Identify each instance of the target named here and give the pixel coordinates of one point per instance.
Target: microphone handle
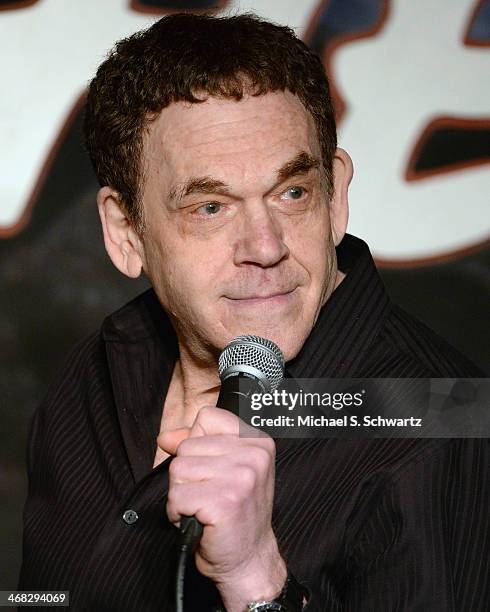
(235, 392)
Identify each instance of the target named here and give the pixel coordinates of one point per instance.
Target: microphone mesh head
(256, 352)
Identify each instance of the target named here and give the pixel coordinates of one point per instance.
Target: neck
(194, 384)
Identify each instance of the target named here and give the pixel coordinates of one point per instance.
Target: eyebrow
(300, 164)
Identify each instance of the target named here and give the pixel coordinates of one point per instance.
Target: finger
(211, 420)
(206, 446)
(209, 501)
(196, 469)
(220, 456)
(192, 499)
(169, 441)
(224, 444)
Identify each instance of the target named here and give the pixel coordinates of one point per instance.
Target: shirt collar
(348, 322)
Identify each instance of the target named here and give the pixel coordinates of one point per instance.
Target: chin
(286, 321)
(288, 330)
(290, 346)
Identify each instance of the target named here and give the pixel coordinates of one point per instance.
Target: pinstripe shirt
(382, 524)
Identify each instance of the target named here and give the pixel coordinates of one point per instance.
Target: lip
(271, 298)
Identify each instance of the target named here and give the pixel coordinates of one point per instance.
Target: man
(214, 142)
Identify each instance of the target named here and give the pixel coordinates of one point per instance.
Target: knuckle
(174, 468)
(247, 478)
(183, 448)
(232, 498)
(261, 458)
(205, 413)
(270, 446)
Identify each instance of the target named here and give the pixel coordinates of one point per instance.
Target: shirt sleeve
(425, 546)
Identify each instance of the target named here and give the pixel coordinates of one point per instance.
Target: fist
(226, 480)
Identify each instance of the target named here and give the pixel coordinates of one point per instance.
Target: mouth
(277, 298)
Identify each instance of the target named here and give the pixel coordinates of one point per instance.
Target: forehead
(248, 137)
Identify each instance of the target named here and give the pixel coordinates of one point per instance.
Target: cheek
(184, 281)
(312, 249)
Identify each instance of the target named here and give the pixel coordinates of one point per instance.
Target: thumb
(169, 440)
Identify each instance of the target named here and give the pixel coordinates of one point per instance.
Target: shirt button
(130, 517)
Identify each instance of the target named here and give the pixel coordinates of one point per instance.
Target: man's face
(238, 236)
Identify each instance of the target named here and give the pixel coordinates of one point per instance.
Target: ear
(339, 204)
(121, 241)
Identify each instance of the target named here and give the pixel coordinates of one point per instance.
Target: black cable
(179, 585)
(190, 534)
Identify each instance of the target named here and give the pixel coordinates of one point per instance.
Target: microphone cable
(190, 534)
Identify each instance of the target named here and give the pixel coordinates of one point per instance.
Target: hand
(227, 482)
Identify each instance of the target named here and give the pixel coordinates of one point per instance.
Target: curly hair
(179, 58)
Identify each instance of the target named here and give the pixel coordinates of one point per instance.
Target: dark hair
(180, 57)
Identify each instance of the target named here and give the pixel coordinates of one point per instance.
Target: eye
(296, 192)
(209, 209)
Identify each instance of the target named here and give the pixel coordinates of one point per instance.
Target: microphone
(248, 364)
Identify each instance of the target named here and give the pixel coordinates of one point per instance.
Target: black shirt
(377, 525)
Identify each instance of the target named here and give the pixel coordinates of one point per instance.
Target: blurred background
(412, 95)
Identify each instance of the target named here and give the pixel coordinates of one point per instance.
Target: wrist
(262, 580)
(293, 598)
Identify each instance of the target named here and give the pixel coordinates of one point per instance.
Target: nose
(259, 237)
